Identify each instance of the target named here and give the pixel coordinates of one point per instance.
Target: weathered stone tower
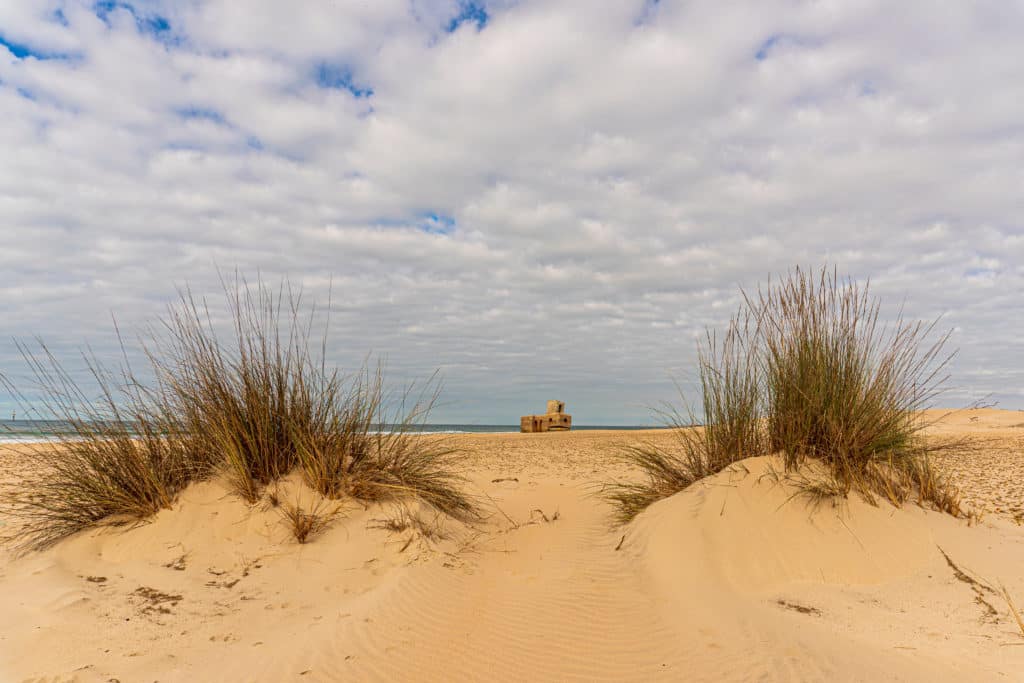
(555, 420)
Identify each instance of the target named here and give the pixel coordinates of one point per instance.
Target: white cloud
(553, 204)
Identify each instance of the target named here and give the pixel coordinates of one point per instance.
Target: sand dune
(786, 591)
(732, 579)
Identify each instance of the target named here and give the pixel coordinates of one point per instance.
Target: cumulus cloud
(539, 198)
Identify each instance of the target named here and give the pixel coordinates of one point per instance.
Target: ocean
(36, 431)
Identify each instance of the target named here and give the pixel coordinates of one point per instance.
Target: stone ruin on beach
(555, 420)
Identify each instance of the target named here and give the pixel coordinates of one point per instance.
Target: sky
(538, 199)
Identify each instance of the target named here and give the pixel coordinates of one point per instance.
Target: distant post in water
(555, 420)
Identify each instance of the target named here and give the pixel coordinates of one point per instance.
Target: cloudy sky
(541, 199)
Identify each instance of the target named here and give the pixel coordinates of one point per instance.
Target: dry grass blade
(305, 525)
(405, 519)
(1013, 608)
(815, 490)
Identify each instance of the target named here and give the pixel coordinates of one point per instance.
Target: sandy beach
(731, 579)
(312, 311)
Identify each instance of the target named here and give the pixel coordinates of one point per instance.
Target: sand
(732, 579)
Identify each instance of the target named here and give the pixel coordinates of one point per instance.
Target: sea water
(35, 431)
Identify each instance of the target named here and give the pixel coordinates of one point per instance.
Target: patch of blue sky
(19, 50)
(104, 8)
(25, 51)
(154, 25)
(647, 12)
(437, 223)
(766, 47)
(201, 113)
(980, 273)
(339, 77)
(250, 142)
(868, 89)
(778, 40)
(469, 11)
(181, 146)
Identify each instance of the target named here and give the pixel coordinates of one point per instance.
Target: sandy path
(549, 596)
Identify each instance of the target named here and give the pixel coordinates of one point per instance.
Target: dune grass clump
(255, 403)
(367, 451)
(249, 394)
(404, 519)
(731, 427)
(806, 370)
(119, 458)
(265, 399)
(846, 391)
(306, 524)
